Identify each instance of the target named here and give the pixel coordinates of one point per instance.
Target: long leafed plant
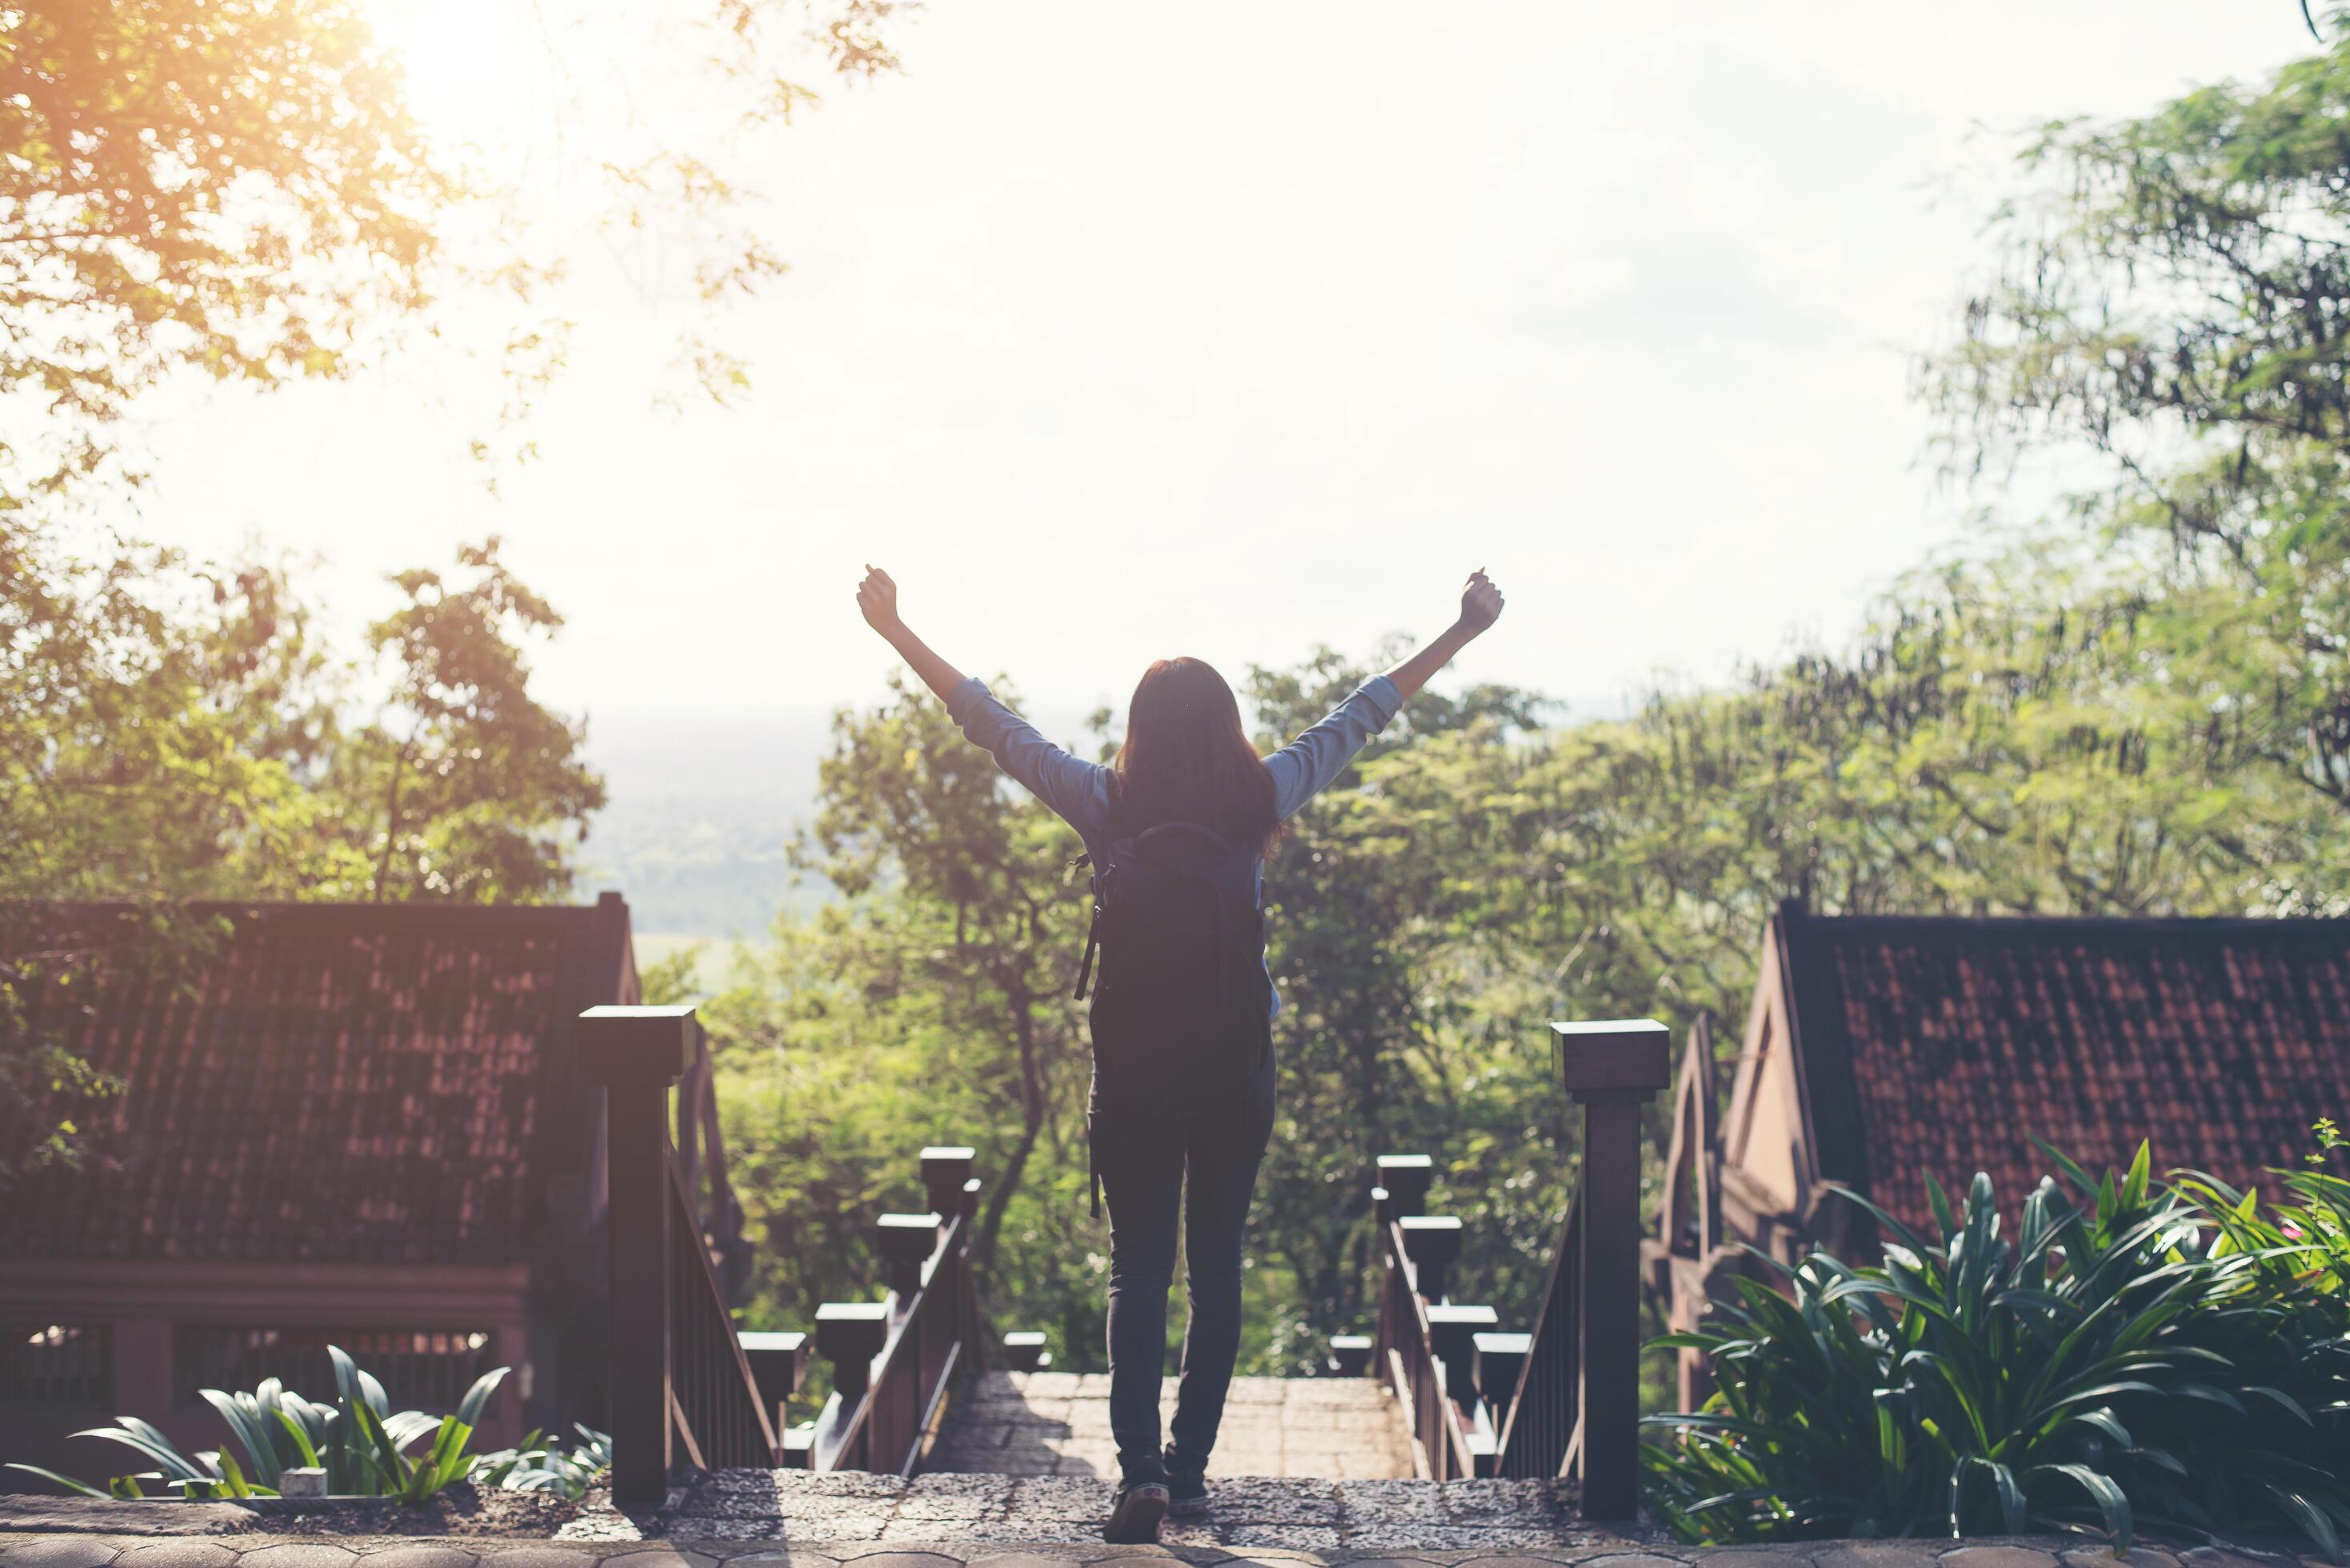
(359, 1441)
(2124, 1360)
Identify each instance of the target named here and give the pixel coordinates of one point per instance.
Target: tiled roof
(332, 1084)
(1944, 1046)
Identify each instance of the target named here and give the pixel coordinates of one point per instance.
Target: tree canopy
(171, 732)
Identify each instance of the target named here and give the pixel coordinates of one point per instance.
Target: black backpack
(1181, 1010)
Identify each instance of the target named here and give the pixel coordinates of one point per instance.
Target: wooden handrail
(1564, 1399)
(1442, 1425)
(897, 1361)
(716, 1399)
(1539, 1427)
(680, 1385)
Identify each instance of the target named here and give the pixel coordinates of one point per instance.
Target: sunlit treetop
(241, 188)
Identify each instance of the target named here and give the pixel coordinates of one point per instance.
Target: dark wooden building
(1880, 1049)
(351, 1123)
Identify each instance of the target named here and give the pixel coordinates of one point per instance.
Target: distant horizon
(702, 804)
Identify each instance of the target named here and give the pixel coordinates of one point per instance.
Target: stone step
(1246, 1513)
(1057, 1424)
(160, 1550)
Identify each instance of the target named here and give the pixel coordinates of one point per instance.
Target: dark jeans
(1146, 1161)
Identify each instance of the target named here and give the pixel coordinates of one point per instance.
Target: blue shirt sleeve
(1303, 768)
(1078, 792)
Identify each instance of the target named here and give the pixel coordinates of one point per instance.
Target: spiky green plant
(538, 1465)
(2093, 1373)
(359, 1441)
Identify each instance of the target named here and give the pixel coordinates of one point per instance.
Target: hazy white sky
(1194, 326)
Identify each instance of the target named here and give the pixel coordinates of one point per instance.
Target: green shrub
(537, 1465)
(2137, 1355)
(359, 1441)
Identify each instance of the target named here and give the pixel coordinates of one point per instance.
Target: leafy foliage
(538, 1465)
(359, 1441)
(2133, 1356)
(171, 731)
(237, 189)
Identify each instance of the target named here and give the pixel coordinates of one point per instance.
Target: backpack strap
(1086, 966)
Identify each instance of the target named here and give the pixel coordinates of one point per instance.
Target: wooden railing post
(779, 1361)
(1501, 1361)
(1612, 1070)
(1433, 1242)
(945, 1169)
(1452, 1331)
(906, 1242)
(635, 1054)
(1404, 1181)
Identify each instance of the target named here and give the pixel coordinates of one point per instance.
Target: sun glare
(483, 72)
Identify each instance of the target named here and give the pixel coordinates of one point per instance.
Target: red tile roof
(1943, 1045)
(334, 1084)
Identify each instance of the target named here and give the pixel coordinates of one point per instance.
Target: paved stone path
(1057, 1424)
(96, 1551)
(1279, 1513)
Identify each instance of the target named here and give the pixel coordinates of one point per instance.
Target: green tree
(481, 791)
(237, 189)
(166, 164)
(929, 1004)
(2171, 302)
(171, 732)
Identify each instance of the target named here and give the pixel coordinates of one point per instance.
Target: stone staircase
(1057, 1424)
(1319, 1465)
(844, 1510)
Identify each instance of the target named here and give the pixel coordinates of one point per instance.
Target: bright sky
(1225, 329)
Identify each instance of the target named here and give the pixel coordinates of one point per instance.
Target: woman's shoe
(1135, 1511)
(1187, 1489)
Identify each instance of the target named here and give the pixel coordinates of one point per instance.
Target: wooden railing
(1538, 1429)
(682, 1385)
(896, 1362)
(1563, 1400)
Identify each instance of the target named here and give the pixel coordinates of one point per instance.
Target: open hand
(876, 600)
(1481, 602)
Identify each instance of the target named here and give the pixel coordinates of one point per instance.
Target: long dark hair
(1187, 758)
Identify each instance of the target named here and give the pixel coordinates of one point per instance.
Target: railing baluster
(678, 1370)
(1611, 1069)
(635, 1054)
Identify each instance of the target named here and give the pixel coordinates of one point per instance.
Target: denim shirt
(1078, 791)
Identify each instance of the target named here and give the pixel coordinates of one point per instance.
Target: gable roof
(332, 1083)
(1945, 1045)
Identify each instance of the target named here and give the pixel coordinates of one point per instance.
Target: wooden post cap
(850, 1334)
(1430, 1238)
(1452, 1335)
(1350, 1353)
(901, 1237)
(1501, 1361)
(1407, 1178)
(905, 1243)
(635, 1044)
(1432, 1241)
(1625, 1057)
(778, 1363)
(944, 1170)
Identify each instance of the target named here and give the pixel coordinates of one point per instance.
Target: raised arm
(1077, 789)
(1303, 768)
(1480, 606)
(877, 599)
